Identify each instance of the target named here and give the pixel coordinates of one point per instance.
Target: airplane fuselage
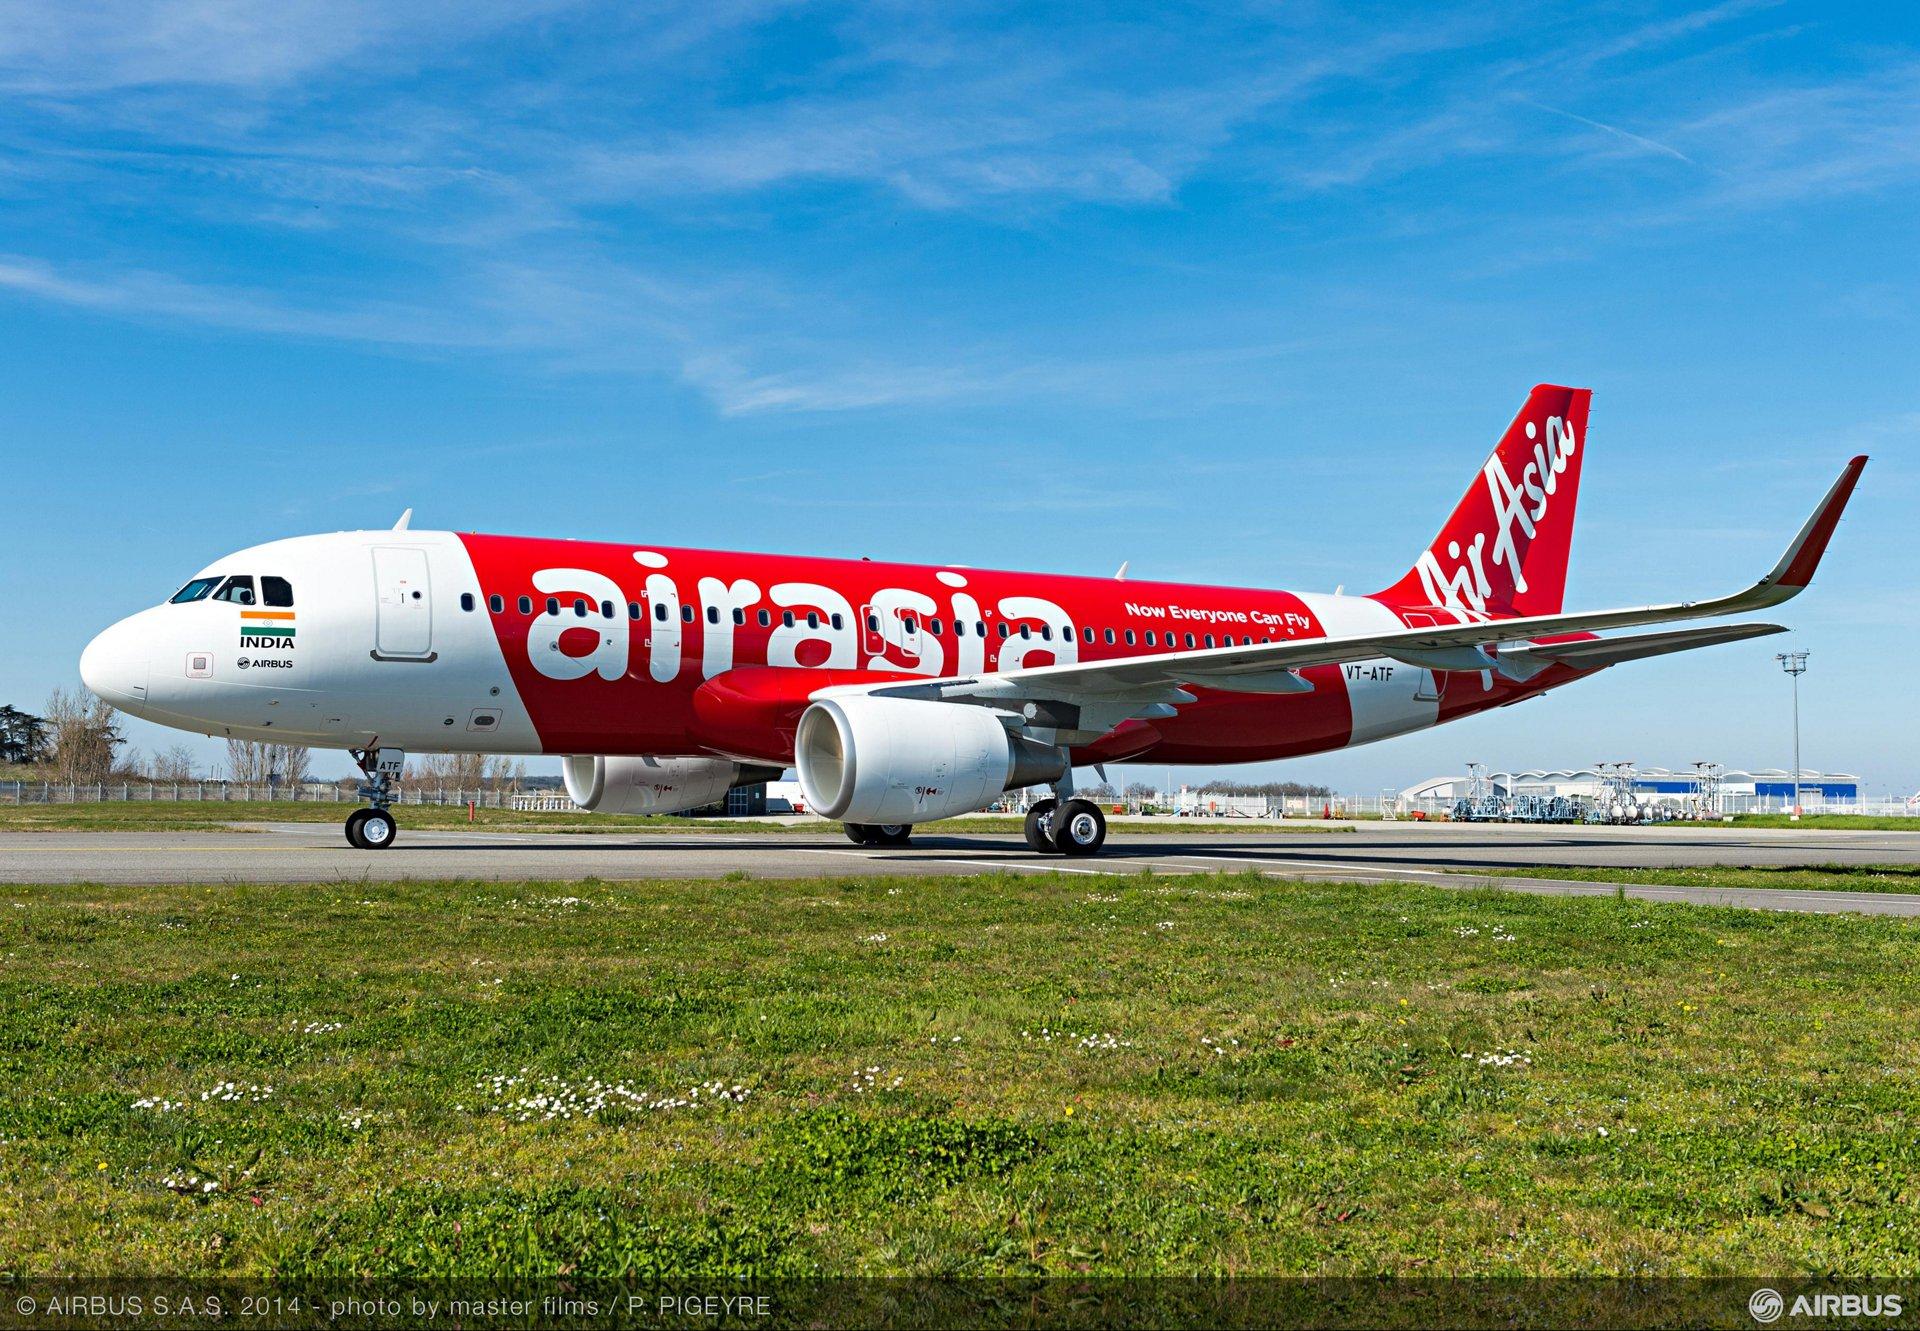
(446, 642)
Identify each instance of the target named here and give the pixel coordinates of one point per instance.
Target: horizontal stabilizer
(1594, 653)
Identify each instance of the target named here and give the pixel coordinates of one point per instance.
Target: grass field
(978, 1075)
(1809, 877)
(1819, 822)
(218, 815)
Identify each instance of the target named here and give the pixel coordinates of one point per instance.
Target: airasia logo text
(1464, 581)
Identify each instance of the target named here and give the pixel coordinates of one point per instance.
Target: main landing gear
(879, 834)
(374, 828)
(1075, 828)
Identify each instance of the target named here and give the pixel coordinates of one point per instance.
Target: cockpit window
(197, 590)
(276, 592)
(238, 589)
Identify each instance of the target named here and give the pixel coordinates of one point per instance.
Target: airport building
(1704, 788)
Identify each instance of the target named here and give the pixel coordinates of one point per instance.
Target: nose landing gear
(374, 828)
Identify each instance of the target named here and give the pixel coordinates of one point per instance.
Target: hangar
(1705, 787)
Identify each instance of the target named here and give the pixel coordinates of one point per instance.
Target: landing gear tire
(376, 829)
(1079, 828)
(857, 833)
(1039, 827)
(889, 834)
(354, 819)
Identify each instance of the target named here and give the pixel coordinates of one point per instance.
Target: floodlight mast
(1795, 664)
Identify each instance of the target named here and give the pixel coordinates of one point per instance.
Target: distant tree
(81, 730)
(449, 773)
(174, 764)
(250, 763)
(1140, 790)
(23, 736)
(1103, 791)
(1294, 788)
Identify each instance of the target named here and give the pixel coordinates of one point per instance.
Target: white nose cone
(114, 667)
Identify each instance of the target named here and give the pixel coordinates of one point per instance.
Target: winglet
(405, 518)
(1121, 575)
(1796, 566)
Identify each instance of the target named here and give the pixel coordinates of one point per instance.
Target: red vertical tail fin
(1504, 550)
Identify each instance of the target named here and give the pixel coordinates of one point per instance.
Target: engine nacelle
(902, 760)
(653, 785)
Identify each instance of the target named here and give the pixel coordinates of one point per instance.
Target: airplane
(664, 677)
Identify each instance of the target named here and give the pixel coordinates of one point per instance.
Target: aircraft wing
(1593, 653)
(1146, 686)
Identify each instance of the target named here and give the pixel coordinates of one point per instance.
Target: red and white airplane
(901, 692)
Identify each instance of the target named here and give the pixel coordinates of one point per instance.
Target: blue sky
(1237, 293)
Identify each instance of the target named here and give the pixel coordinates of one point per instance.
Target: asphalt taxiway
(1446, 854)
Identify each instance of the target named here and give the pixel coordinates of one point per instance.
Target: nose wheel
(371, 829)
(374, 828)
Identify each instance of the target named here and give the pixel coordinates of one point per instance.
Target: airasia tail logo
(1519, 506)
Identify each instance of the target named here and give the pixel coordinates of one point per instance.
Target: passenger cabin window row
(277, 592)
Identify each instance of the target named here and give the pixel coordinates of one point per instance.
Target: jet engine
(654, 785)
(901, 760)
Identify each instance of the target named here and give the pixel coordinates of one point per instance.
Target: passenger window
(606, 610)
(497, 603)
(766, 618)
(979, 628)
(466, 602)
(526, 605)
(713, 614)
(553, 605)
(1026, 630)
(1002, 628)
(633, 610)
(1189, 640)
(237, 589)
(836, 619)
(813, 619)
(1046, 633)
(198, 589)
(1149, 638)
(580, 607)
(933, 627)
(1209, 640)
(739, 615)
(277, 592)
(786, 618)
(1129, 637)
(686, 614)
(660, 611)
(1108, 635)
(873, 623)
(1086, 635)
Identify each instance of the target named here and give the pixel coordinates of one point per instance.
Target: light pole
(1795, 664)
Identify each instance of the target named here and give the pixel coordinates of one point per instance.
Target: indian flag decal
(266, 623)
